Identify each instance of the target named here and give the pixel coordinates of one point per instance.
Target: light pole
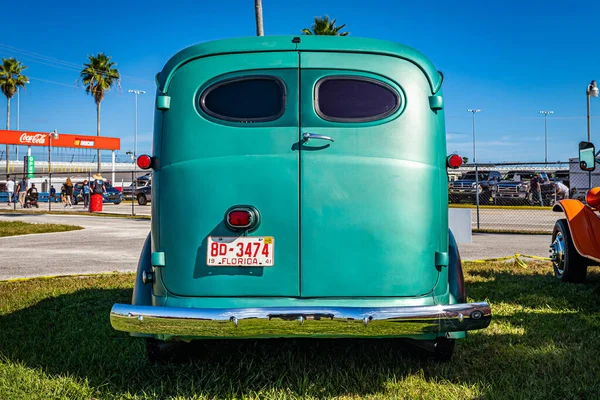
(592, 90)
(474, 111)
(136, 93)
(51, 135)
(546, 132)
(18, 119)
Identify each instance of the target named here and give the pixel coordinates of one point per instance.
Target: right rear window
(247, 99)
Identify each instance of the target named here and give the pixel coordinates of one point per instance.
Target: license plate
(240, 251)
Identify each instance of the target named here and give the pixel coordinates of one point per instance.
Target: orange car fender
(584, 225)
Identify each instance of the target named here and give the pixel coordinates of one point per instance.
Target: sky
(510, 59)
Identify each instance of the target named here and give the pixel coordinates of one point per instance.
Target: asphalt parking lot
(113, 244)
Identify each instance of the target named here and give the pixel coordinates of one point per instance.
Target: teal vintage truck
(302, 154)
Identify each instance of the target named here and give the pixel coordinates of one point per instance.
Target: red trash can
(96, 202)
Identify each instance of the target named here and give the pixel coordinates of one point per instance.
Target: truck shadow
(71, 335)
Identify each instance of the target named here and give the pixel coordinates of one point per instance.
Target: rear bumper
(300, 321)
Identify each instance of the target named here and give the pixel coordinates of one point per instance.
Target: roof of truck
(307, 43)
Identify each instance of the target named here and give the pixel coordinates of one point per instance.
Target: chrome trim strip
(300, 321)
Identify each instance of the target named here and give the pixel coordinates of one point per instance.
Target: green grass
(543, 343)
(13, 228)
(88, 214)
(513, 231)
(495, 207)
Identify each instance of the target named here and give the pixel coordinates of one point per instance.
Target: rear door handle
(306, 136)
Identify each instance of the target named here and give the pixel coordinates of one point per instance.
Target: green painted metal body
(359, 222)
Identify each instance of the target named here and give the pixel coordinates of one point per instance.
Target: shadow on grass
(525, 353)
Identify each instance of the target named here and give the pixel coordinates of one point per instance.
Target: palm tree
(98, 76)
(260, 31)
(10, 80)
(323, 26)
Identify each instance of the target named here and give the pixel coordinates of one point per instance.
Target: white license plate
(240, 251)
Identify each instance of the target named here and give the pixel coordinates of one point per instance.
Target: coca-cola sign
(33, 138)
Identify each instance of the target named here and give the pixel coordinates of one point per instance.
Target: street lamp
(546, 132)
(136, 93)
(474, 111)
(18, 119)
(592, 90)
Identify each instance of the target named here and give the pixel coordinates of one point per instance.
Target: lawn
(12, 228)
(543, 343)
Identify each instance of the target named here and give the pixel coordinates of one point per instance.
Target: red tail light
(244, 218)
(454, 161)
(239, 219)
(144, 161)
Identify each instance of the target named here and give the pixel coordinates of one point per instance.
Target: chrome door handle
(306, 136)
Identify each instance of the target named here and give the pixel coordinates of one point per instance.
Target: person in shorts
(85, 193)
(10, 189)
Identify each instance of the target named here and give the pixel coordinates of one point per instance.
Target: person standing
(10, 189)
(536, 189)
(22, 191)
(68, 193)
(98, 187)
(85, 190)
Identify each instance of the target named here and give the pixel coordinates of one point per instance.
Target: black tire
(568, 264)
(161, 352)
(117, 203)
(444, 349)
(485, 198)
(142, 200)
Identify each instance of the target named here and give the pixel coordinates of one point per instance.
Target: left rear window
(247, 99)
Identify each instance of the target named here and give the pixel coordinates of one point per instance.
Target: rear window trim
(218, 84)
(378, 82)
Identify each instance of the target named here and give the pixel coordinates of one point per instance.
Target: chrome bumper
(300, 321)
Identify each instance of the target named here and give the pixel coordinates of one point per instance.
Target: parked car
(112, 194)
(514, 187)
(143, 194)
(466, 187)
(141, 181)
(302, 224)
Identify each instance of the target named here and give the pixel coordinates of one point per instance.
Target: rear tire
(142, 200)
(444, 349)
(568, 264)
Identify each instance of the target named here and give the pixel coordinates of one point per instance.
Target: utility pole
(546, 132)
(136, 93)
(474, 111)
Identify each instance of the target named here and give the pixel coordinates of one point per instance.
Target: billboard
(27, 138)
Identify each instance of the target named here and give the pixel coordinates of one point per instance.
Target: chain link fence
(502, 197)
(46, 192)
(509, 197)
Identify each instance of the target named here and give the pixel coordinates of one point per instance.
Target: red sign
(64, 140)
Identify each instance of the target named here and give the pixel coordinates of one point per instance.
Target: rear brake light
(454, 161)
(242, 218)
(239, 219)
(144, 161)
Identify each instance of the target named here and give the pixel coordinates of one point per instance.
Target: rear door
(228, 139)
(370, 224)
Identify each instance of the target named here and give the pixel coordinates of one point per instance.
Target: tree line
(99, 73)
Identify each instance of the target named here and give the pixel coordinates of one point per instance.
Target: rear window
(354, 99)
(248, 99)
